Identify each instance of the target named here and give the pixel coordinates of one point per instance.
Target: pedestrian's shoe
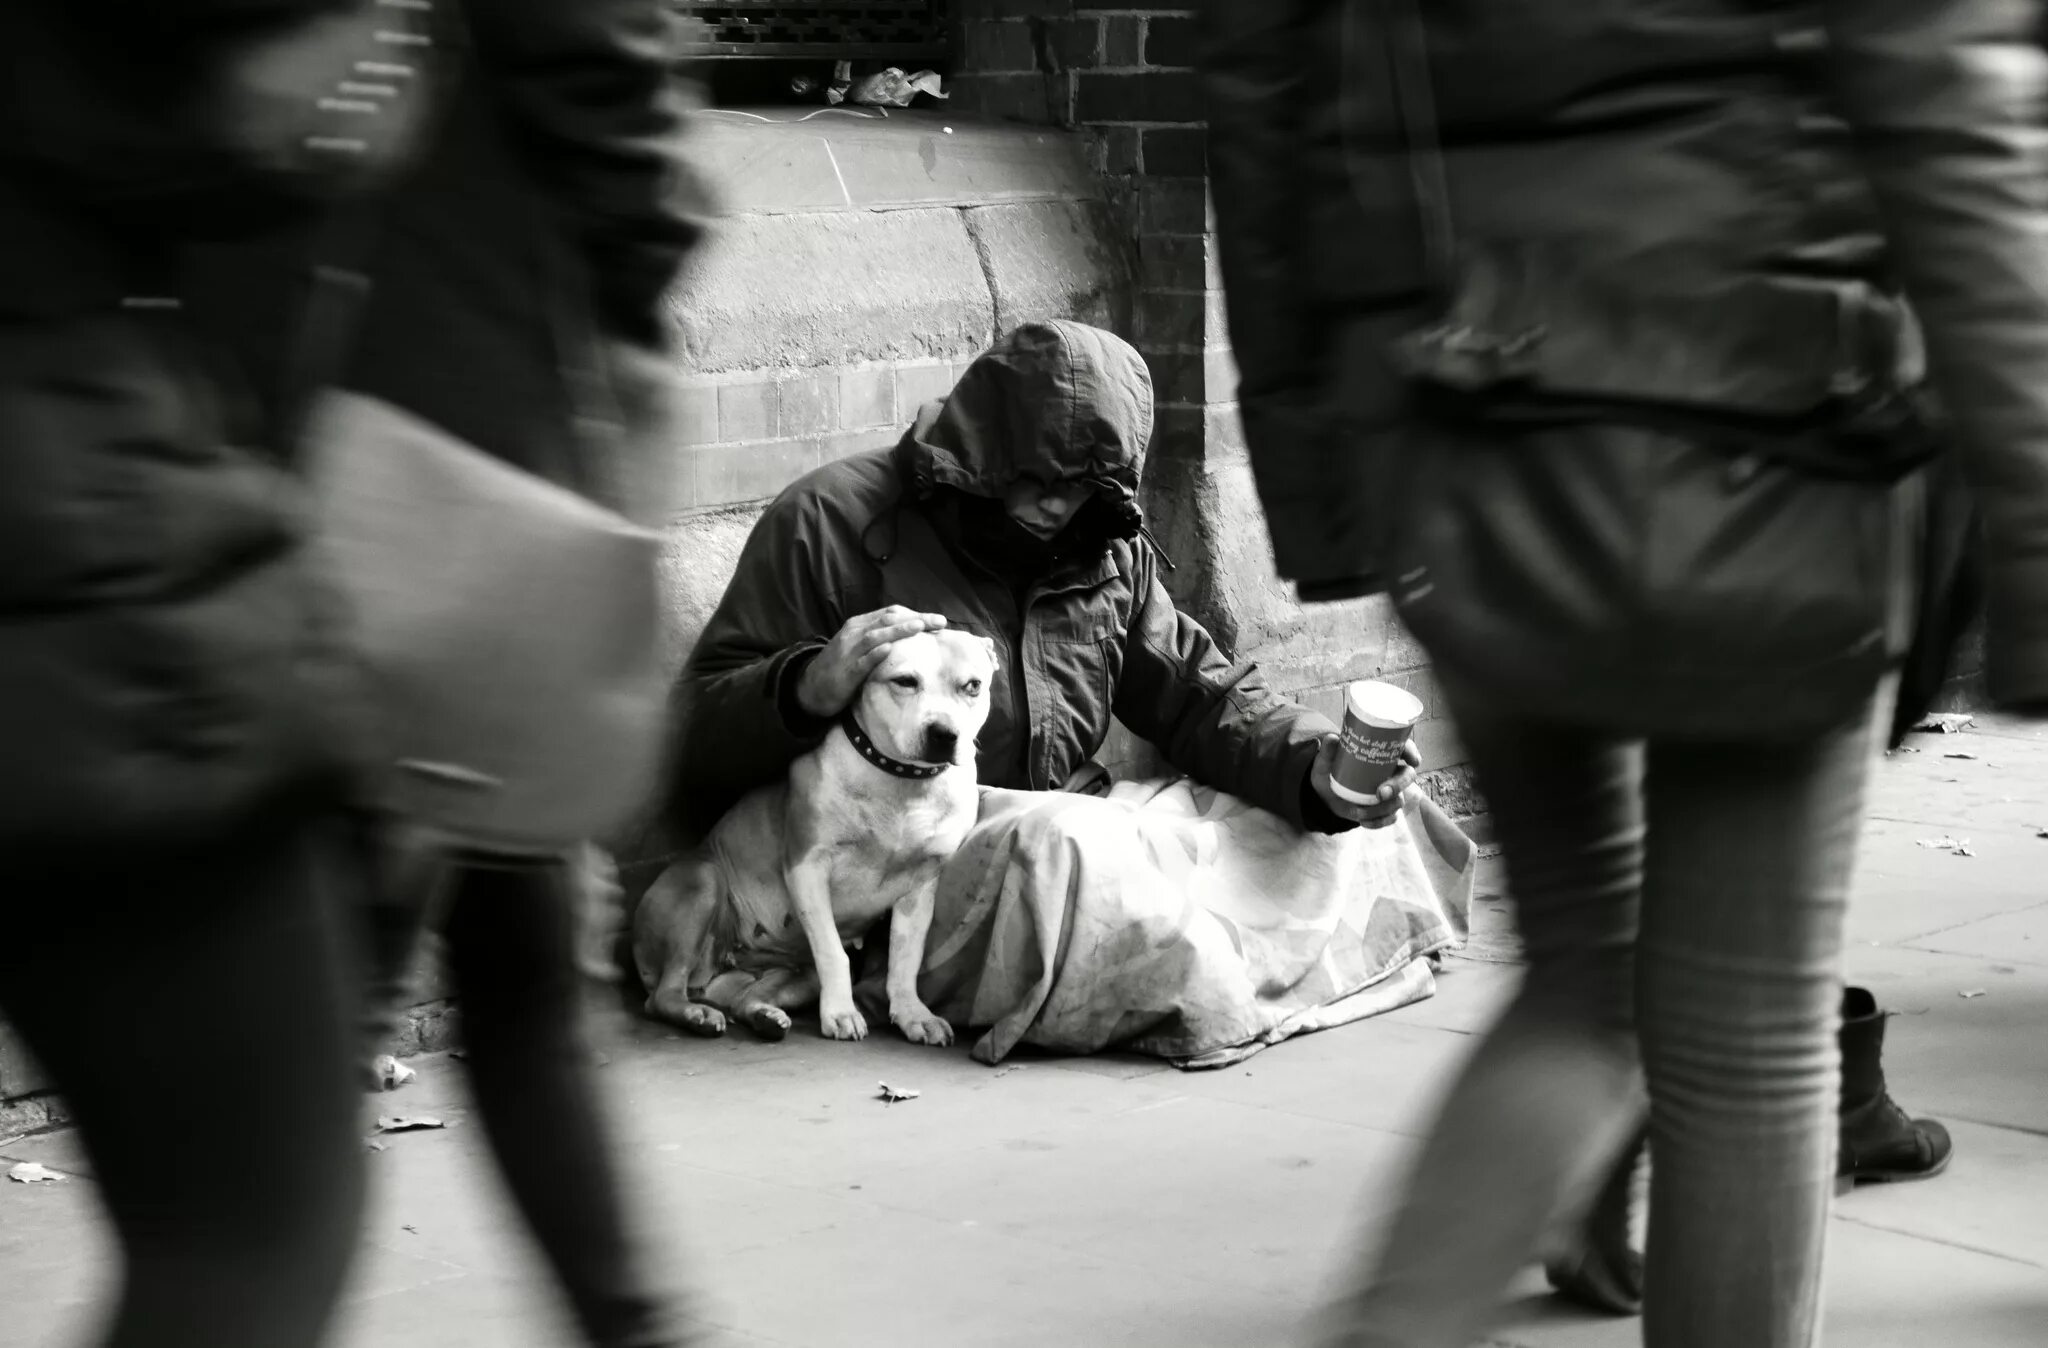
(1880, 1142)
(1605, 1273)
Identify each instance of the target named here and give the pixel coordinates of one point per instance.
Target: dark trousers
(193, 1013)
(510, 939)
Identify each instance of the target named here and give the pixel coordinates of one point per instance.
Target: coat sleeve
(1946, 101)
(1214, 720)
(592, 90)
(739, 725)
(1317, 480)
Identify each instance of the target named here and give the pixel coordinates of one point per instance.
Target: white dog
(755, 923)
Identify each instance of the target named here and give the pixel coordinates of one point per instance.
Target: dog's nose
(941, 742)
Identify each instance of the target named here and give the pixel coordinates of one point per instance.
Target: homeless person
(1009, 509)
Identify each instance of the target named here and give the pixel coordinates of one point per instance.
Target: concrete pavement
(1113, 1201)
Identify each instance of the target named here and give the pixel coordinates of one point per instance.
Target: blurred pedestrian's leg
(511, 947)
(1547, 1098)
(1752, 849)
(191, 1010)
(1735, 987)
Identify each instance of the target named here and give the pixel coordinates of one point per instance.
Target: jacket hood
(1054, 400)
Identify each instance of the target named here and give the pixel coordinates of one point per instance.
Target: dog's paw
(846, 1024)
(770, 1022)
(922, 1027)
(698, 1018)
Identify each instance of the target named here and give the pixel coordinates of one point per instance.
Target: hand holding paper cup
(1378, 720)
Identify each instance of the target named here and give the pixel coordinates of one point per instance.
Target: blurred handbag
(1617, 510)
(507, 631)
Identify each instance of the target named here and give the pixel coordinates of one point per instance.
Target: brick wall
(1128, 76)
(747, 435)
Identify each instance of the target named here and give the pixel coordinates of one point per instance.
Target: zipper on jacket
(1026, 721)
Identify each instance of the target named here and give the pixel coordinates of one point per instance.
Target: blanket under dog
(1175, 920)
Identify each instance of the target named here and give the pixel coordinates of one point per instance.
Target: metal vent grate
(892, 30)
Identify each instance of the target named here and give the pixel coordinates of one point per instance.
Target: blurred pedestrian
(164, 689)
(516, 298)
(1578, 330)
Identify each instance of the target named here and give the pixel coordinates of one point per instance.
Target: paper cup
(1378, 719)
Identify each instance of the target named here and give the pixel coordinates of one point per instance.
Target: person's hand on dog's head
(833, 678)
(1385, 807)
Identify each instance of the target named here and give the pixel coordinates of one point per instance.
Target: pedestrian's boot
(1880, 1142)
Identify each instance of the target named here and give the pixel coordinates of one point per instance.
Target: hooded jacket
(1096, 637)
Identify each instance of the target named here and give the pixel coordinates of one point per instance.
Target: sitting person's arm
(1223, 726)
(778, 661)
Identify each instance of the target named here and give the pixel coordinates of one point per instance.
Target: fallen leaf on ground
(892, 1094)
(1945, 723)
(34, 1172)
(402, 1123)
(1971, 992)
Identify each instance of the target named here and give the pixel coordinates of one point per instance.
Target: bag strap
(340, 285)
(343, 248)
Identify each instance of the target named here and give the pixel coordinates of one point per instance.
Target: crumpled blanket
(1172, 919)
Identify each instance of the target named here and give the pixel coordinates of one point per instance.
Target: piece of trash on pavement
(407, 1123)
(1969, 756)
(34, 1172)
(891, 1094)
(1946, 723)
(391, 1073)
(1968, 993)
(1945, 843)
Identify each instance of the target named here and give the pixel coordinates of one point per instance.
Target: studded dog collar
(895, 767)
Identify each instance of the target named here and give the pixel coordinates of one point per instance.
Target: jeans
(1681, 904)
(510, 939)
(192, 1009)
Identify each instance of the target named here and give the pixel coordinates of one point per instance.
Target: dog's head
(928, 698)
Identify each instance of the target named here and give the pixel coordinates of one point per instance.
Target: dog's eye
(971, 688)
(907, 682)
